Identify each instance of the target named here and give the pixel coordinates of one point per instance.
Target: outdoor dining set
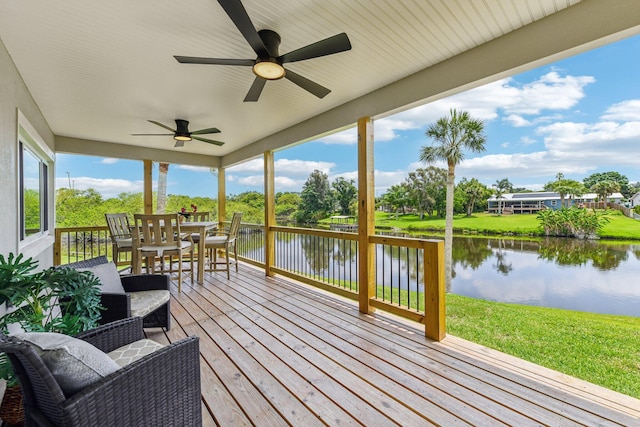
(155, 238)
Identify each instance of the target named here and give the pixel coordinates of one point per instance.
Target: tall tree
(623, 182)
(501, 187)
(161, 203)
(397, 197)
(604, 189)
(505, 184)
(565, 187)
(345, 192)
(471, 193)
(426, 188)
(316, 201)
(451, 135)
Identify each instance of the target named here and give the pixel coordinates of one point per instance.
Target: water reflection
(565, 273)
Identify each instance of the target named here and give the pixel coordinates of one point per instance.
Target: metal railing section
(79, 243)
(318, 257)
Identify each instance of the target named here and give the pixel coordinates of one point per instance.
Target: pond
(564, 273)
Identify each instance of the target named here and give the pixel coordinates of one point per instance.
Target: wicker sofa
(160, 388)
(137, 300)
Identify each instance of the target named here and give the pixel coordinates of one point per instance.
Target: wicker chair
(161, 388)
(118, 306)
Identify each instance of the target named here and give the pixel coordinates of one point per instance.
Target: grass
(601, 349)
(618, 227)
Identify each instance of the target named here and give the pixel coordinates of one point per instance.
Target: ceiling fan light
(269, 70)
(182, 137)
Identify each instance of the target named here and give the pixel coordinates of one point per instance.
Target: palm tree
(163, 169)
(452, 135)
(499, 192)
(604, 189)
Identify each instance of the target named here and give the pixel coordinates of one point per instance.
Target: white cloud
(251, 181)
(107, 187)
(527, 140)
(552, 91)
(345, 137)
(255, 165)
(516, 120)
(283, 166)
(623, 111)
(109, 161)
(194, 168)
(284, 183)
(301, 168)
(290, 174)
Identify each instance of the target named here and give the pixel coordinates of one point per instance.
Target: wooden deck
(275, 352)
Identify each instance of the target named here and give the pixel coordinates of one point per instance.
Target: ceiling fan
(268, 64)
(181, 133)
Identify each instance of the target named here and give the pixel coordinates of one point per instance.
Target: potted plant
(58, 299)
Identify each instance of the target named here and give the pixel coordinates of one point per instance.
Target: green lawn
(601, 349)
(619, 226)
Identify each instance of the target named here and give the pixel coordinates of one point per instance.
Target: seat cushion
(134, 351)
(124, 242)
(215, 240)
(74, 363)
(108, 276)
(144, 302)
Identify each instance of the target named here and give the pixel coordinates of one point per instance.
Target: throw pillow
(108, 276)
(74, 363)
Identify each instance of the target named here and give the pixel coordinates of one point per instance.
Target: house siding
(14, 97)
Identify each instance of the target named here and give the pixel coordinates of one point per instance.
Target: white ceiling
(100, 69)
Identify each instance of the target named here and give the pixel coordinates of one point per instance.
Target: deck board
(276, 352)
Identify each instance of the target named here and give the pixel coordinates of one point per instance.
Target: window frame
(29, 140)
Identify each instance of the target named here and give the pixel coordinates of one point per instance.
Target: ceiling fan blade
(255, 90)
(179, 144)
(152, 134)
(214, 61)
(236, 11)
(210, 141)
(308, 85)
(161, 125)
(338, 43)
(203, 131)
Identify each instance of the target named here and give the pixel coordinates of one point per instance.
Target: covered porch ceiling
(99, 70)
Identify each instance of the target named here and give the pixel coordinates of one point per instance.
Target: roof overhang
(98, 72)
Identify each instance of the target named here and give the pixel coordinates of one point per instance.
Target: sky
(577, 116)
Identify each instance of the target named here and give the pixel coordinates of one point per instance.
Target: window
(553, 202)
(34, 158)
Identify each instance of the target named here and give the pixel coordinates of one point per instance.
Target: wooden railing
(409, 273)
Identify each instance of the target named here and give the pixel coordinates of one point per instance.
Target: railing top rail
(84, 228)
(408, 242)
(314, 232)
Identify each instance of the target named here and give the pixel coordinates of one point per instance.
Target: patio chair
(120, 232)
(71, 383)
(159, 236)
(198, 217)
(224, 239)
(143, 295)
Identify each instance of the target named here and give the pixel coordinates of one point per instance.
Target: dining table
(202, 228)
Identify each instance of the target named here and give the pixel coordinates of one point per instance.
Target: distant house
(534, 202)
(634, 200)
